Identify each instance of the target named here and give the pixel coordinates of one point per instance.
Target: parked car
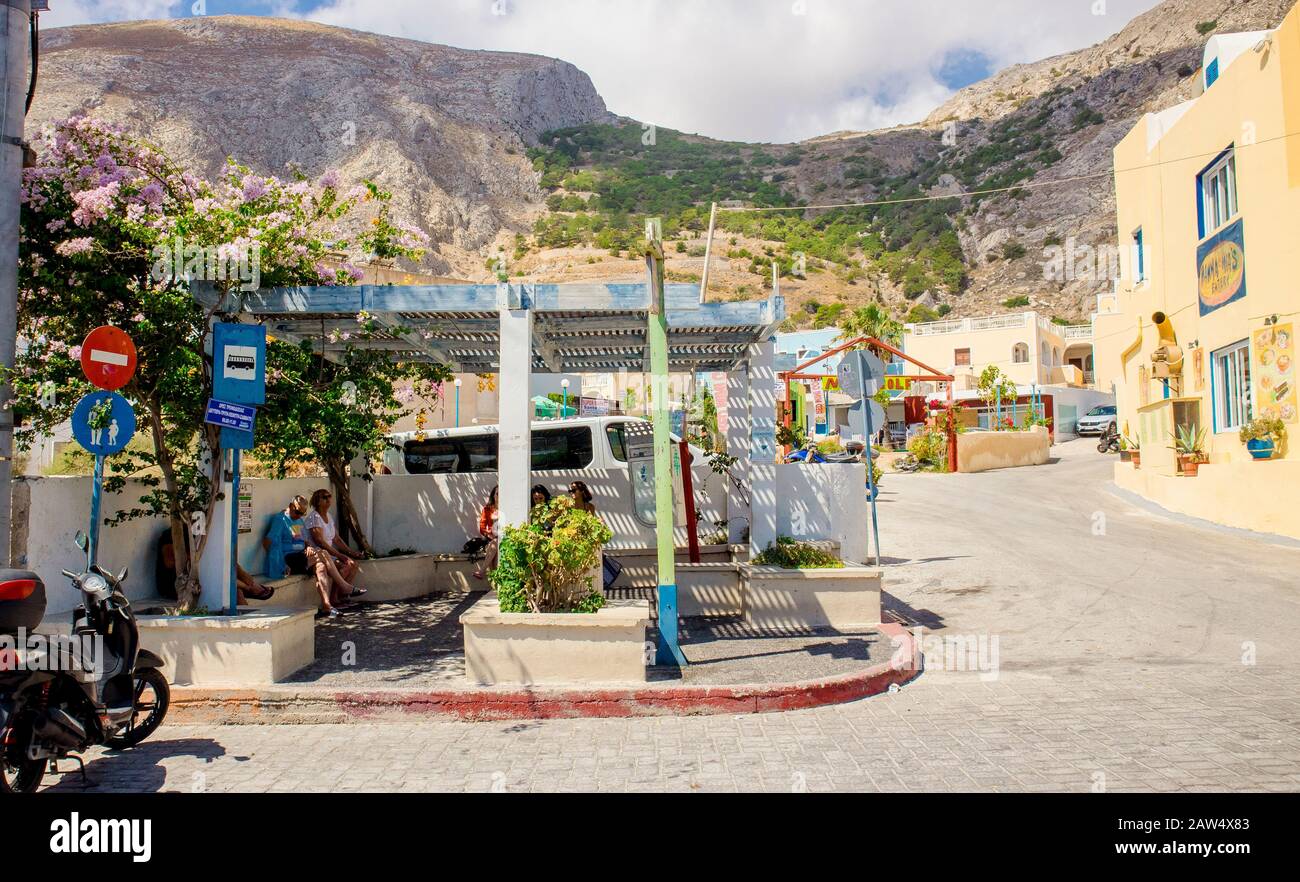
(1098, 421)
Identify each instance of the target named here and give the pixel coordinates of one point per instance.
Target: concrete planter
(552, 649)
(255, 648)
(844, 599)
(709, 589)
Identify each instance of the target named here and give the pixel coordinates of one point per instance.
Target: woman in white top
(332, 553)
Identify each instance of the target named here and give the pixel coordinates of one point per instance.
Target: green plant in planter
(1263, 429)
(545, 566)
(1189, 444)
(791, 554)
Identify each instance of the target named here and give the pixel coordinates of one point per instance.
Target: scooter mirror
(121, 577)
(82, 541)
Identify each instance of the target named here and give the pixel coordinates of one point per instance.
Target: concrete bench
(386, 580)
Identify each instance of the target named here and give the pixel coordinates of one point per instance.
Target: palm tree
(872, 321)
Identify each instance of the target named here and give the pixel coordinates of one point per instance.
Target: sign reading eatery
(1221, 268)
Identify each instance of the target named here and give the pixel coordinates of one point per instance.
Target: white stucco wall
(825, 502)
(438, 513)
(427, 513)
(56, 509)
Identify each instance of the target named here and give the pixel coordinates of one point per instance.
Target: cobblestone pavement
(1125, 651)
(1150, 730)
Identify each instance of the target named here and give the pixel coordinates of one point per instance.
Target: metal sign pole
(233, 607)
(96, 492)
(871, 470)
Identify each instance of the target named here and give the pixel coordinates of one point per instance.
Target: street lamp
(565, 385)
(459, 383)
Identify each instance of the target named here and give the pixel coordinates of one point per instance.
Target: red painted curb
(308, 705)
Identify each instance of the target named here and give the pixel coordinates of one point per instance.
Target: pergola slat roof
(577, 328)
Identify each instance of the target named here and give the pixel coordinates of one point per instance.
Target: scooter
(48, 713)
(1109, 442)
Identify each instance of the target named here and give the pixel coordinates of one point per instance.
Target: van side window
(617, 440)
(562, 449)
(480, 454)
(435, 456)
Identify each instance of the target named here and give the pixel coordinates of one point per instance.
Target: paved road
(1102, 647)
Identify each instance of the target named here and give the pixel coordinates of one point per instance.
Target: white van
(570, 445)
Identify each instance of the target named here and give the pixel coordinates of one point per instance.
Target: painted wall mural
(1273, 357)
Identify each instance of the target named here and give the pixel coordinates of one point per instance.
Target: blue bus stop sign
(239, 363)
(103, 423)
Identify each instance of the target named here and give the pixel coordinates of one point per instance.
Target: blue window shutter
(1200, 207)
(1211, 72)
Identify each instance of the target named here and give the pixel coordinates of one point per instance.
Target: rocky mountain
(514, 158)
(443, 128)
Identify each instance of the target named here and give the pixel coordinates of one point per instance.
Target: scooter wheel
(152, 698)
(18, 774)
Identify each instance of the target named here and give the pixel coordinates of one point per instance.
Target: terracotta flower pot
(1137, 459)
(1191, 465)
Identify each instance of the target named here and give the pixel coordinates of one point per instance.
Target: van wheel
(152, 698)
(19, 773)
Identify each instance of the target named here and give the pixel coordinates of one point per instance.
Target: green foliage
(104, 215)
(1013, 250)
(1205, 27)
(920, 314)
(790, 554)
(1016, 302)
(1189, 441)
(546, 565)
(996, 388)
(792, 436)
(872, 321)
(929, 448)
(1264, 429)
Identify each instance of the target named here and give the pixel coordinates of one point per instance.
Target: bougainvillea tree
(113, 232)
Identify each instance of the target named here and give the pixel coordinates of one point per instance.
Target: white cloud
(755, 70)
(769, 70)
(70, 12)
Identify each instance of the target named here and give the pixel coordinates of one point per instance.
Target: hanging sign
(245, 509)
(108, 358)
(239, 363)
(230, 416)
(1221, 268)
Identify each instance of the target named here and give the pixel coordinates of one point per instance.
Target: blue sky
(754, 70)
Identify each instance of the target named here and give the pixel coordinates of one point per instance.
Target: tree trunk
(340, 479)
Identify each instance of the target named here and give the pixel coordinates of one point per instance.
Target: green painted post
(669, 651)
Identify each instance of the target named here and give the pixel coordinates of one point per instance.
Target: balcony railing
(1078, 332)
(958, 326)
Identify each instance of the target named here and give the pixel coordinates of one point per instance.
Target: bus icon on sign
(241, 363)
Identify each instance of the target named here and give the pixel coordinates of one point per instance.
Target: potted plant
(549, 622)
(1261, 436)
(547, 564)
(1134, 448)
(1189, 445)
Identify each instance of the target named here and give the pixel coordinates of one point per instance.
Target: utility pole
(16, 25)
(708, 252)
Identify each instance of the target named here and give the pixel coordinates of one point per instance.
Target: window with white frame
(1139, 257)
(1020, 353)
(1218, 193)
(1231, 381)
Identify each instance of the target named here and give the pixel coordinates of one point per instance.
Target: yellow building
(1024, 345)
(1202, 330)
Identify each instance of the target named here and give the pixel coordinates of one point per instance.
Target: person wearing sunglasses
(333, 555)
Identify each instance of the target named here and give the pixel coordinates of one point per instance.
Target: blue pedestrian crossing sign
(103, 423)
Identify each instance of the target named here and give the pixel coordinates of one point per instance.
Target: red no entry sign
(108, 358)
